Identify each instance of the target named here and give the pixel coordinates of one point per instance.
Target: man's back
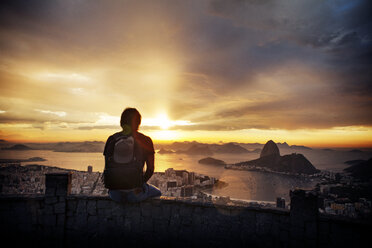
(126, 153)
(117, 147)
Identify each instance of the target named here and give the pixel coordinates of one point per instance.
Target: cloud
(57, 113)
(222, 65)
(110, 127)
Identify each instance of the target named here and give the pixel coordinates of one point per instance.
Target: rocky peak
(270, 148)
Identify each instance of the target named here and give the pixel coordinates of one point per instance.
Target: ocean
(248, 185)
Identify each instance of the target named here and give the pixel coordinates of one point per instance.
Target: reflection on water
(241, 184)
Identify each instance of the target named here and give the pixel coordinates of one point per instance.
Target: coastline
(266, 170)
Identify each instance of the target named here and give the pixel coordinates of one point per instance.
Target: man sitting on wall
(126, 153)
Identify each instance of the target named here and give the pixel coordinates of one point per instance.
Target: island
(33, 159)
(18, 147)
(212, 161)
(271, 161)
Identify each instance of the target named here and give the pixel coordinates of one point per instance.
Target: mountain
(209, 149)
(198, 149)
(86, 146)
(328, 150)
(18, 147)
(356, 151)
(269, 149)
(229, 148)
(165, 151)
(353, 162)
(182, 145)
(296, 163)
(300, 147)
(283, 145)
(10, 160)
(257, 150)
(361, 169)
(212, 161)
(270, 158)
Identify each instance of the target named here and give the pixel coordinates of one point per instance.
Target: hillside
(270, 158)
(361, 169)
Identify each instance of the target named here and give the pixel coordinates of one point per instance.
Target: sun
(163, 127)
(163, 122)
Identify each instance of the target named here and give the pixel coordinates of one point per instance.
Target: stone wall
(58, 219)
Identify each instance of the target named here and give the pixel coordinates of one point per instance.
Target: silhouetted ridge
(361, 170)
(296, 163)
(229, 148)
(18, 147)
(270, 158)
(165, 151)
(198, 149)
(270, 148)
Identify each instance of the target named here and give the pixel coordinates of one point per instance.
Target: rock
(270, 148)
(296, 163)
(212, 161)
(270, 159)
(35, 159)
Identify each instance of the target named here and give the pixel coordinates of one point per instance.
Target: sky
(206, 70)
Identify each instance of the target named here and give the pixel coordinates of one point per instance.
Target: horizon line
(316, 146)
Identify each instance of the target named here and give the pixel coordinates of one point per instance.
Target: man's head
(130, 120)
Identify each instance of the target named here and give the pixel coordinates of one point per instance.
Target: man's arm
(149, 167)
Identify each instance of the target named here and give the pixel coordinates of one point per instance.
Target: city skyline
(210, 71)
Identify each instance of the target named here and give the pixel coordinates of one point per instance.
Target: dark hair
(130, 118)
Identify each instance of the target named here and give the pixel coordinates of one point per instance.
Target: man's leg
(116, 195)
(148, 191)
(153, 191)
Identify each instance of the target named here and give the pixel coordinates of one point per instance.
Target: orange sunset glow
(210, 71)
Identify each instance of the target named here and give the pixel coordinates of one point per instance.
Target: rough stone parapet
(304, 218)
(60, 219)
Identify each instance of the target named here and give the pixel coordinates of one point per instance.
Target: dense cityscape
(339, 193)
(30, 179)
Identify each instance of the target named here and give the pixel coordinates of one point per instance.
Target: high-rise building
(191, 178)
(169, 172)
(185, 178)
(280, 202)
(171, 184)
(187, 191)
(90, 168)
(212, 180)
(155, 182)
